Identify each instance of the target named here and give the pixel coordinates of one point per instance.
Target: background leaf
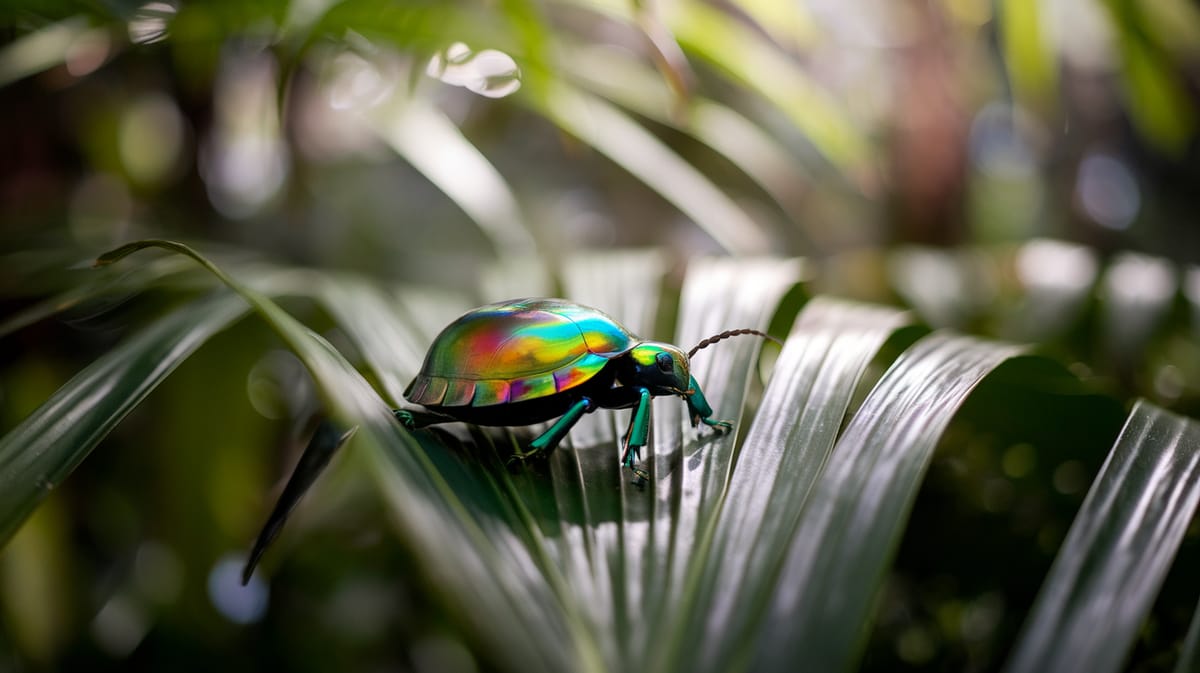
(39, 453)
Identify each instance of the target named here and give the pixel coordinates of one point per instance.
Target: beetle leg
(636, 437)
(555, 434)
(700, 411)
(412, 419)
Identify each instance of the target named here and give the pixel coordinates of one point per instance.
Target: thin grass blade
(1118, 551)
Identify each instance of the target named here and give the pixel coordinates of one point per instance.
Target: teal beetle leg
(636, 437)
(699, 409)
(555, 434)
(412, 419)
(326, 440)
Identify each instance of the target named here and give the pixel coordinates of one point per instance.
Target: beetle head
(661, 368)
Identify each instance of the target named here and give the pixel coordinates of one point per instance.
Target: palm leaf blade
(829, 349)
(856, 511)
(1119, 549)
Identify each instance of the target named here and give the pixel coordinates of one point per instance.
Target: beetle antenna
(730, 333)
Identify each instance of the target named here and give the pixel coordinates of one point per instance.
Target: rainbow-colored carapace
(527, 361)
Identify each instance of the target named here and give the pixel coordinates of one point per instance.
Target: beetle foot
(720, 426)
(520, 457)
(640, 477)
(406, 418)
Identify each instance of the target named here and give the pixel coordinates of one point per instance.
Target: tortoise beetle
(527, 361)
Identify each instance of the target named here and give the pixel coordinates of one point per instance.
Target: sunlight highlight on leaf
(591, 490)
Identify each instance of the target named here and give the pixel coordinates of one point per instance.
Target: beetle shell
(517, 350)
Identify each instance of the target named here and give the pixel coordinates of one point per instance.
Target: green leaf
(739, 51)
(1028, 55)
(614, 555)
(1158, 101)
(430, 141)
(619, 77)
(613, 134)
(856, 511)
(48, 445)
(1117, 553)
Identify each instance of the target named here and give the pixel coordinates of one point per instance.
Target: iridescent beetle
(528, 361)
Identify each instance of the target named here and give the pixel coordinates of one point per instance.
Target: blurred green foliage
(917, 153)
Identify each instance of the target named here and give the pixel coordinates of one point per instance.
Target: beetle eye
(665, 362)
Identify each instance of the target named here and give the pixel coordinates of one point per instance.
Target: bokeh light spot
(119, 626)
(150, 138)
(1107, 191)
(158, 572)
(1019, 460)
(1070, 477)
(239, 604)
(1046, 264)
